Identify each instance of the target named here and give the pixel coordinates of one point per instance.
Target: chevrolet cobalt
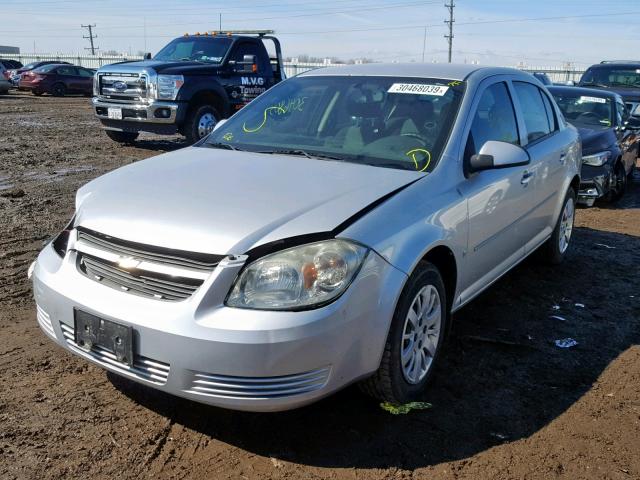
(321, 236)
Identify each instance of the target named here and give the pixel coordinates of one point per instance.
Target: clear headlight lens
(169, 86)
(96, 91)
(298, 278)
(597, 159)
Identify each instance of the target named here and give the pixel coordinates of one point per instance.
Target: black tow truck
(191, 84)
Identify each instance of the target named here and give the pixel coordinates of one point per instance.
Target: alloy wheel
(566, 225)
(421, 334)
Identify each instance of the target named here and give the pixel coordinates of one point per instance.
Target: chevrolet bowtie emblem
(128, 263)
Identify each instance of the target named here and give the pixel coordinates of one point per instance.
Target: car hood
(217, 201)
(161, 66)
(594, 141)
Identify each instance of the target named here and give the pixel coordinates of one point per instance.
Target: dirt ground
(507, 403)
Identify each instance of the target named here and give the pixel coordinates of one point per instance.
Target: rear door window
(534, 111)
(494, 119)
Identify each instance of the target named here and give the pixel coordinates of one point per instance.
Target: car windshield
(199, 49)
(612, 77)
(590, 111)
(401, 123)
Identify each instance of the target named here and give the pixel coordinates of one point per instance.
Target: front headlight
(169, 86)
(298, 278)
(597, 159)
(96, 90)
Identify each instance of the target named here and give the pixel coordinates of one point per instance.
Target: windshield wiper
(224, 146)
(303, 153)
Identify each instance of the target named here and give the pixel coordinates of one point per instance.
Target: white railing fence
(557, 74)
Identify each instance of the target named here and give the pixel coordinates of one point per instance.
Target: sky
(538, 33)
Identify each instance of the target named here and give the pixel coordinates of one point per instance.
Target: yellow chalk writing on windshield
(285, 106)
(419, 155)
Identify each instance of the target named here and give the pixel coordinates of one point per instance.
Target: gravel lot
(507, 403)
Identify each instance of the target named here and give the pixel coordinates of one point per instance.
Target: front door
(499, 199)
(244, 82)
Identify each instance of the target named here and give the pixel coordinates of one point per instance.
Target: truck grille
(148, 271)
(123, 87)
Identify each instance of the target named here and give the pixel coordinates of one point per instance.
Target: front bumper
(594, 183)
(140, 116)
(233, 358)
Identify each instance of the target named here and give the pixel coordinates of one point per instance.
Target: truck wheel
(200, 122)
(556, 247)
(122, 137)
(59, 90)
(414, 340)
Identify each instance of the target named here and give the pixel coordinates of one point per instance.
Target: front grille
(143, 368)
(148, 284)
(248, 388)
(154, 272)
(136, 86)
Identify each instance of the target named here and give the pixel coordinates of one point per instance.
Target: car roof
(449, 71)
(630, 64)
(593, 92)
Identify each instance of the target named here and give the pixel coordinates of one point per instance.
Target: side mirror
(147, 56)
(494, 154)
(247, 65)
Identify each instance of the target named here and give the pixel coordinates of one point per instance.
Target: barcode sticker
(418, 89)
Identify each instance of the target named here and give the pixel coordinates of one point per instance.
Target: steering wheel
(414, 135)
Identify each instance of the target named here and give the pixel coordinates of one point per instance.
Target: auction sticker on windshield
(418, 89)
(592, 100)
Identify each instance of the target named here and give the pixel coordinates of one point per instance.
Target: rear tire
(37, 93)
(126, 138)
(200, 121)
(59, 90)
(555, 249)
(414, 340)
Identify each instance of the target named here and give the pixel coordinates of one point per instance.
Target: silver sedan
(322, 236)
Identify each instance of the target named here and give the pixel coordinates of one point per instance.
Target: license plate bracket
(114, 113)
(92, 331)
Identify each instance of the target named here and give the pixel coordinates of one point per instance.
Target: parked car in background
(543, 78)
(17, 74)
(321, 236)
(10, 64)
(619, 76)
(191, 84)
(609, 145)
(58, 80)
(5, 84)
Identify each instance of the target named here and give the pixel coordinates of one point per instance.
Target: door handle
(526, 178)
(563, 157)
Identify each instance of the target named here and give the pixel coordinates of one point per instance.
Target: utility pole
(90, 37)
(449, 22)
(220, 23)
(424, 43)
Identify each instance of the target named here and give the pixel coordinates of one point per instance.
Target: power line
(450, 6)
(90, 37)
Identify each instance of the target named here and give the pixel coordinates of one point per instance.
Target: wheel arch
(443, 258)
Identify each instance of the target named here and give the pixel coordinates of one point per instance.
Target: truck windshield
(589, 111)
(612, 76)
(199, 49)
(401, 123)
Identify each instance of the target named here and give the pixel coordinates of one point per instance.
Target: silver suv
(323, 235)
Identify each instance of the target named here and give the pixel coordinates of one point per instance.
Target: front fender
(197, 86)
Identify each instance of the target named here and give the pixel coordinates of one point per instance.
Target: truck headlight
(169, 86)
(597, 159)
(298, 278)
(96, 90)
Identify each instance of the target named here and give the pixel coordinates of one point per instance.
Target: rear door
(85, 80)
(547, 147)
(69, 76)
(499, 199)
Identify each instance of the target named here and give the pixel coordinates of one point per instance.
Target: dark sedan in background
(618, 76)
(58, 80)
(17, 73)
(609, 141)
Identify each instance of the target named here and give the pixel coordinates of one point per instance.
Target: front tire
(618, 183)
(414, 340)
(126, 138)
(555, 249)
(200, 122)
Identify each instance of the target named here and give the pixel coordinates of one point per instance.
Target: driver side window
(495, 119)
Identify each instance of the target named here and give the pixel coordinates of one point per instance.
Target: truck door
(245, 84)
